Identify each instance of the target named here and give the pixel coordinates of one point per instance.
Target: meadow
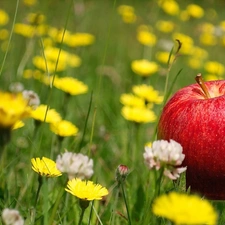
(95, 76)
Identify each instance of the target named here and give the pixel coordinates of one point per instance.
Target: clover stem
(201, 83)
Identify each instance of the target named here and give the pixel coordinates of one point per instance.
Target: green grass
(104, 134)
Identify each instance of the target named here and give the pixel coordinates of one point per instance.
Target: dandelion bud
(121, 173)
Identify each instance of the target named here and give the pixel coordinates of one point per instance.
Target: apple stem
(201, 83)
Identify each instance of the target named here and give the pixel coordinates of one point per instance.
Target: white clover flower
(12, 217)
(32, 98)
(167, 155)
(75, 165)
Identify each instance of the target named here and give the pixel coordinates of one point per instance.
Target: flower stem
(158, 181)
(81, 216)
(125, 201)
(83, 205)
(40, 183)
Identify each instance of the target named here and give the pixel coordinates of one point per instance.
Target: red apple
(195, 117)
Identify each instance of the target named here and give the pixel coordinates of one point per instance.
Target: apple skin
(198, 124)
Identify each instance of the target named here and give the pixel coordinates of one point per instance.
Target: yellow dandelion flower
(35, 18)
(209, 77)
(146, 38)
(80, 39)
(42, 114)
(144, 67)
(132, 100)
(163, 57)
(199, 52)
(30, 2)
(45, 167)
(208, 39)
(13, 107)
(49, 65)
(86, 190)
(138, 115)
(184, 16)
(170, 7)
(4, 17)
(214, 67)
(25, 30)
(71, 85)
(18, 125)
(51, 58)
(165, 26)
(147, 92)
(185, 209)
(125, 8)
(195, 11)
(4, 34)
(47, 80)
(195, 63)
(223, 41)
(187, 43)
(29, 31)
(128, 13)
(222, 25)
(74, 60)
(36, 74)
(64, 128)
(207, 27)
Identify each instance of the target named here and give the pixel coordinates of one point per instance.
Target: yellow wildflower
(187, 43)
(148, 93)
(208, 39)
(165, 26)
(71, 85)
(64, 128)
(29, 31)
(199, 52)
(18, 125)
(30, 2)
(13, 107)
(132, 100)
(86, 190)
(80, 39)
(207, 28)
(184, 16)
(4, 34)
(214, 67)
(36, 74)
(195, 62)
(144, 67)
(185, 209)
(146, 38)
(43, 114)
(45, 167)
(222, 25)
(138, 115)
(170, 7)
(195, 11)
(35, 18)
(4, 17)
(51, 58)
(208, 77)
(128, 13)
(163, 57)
